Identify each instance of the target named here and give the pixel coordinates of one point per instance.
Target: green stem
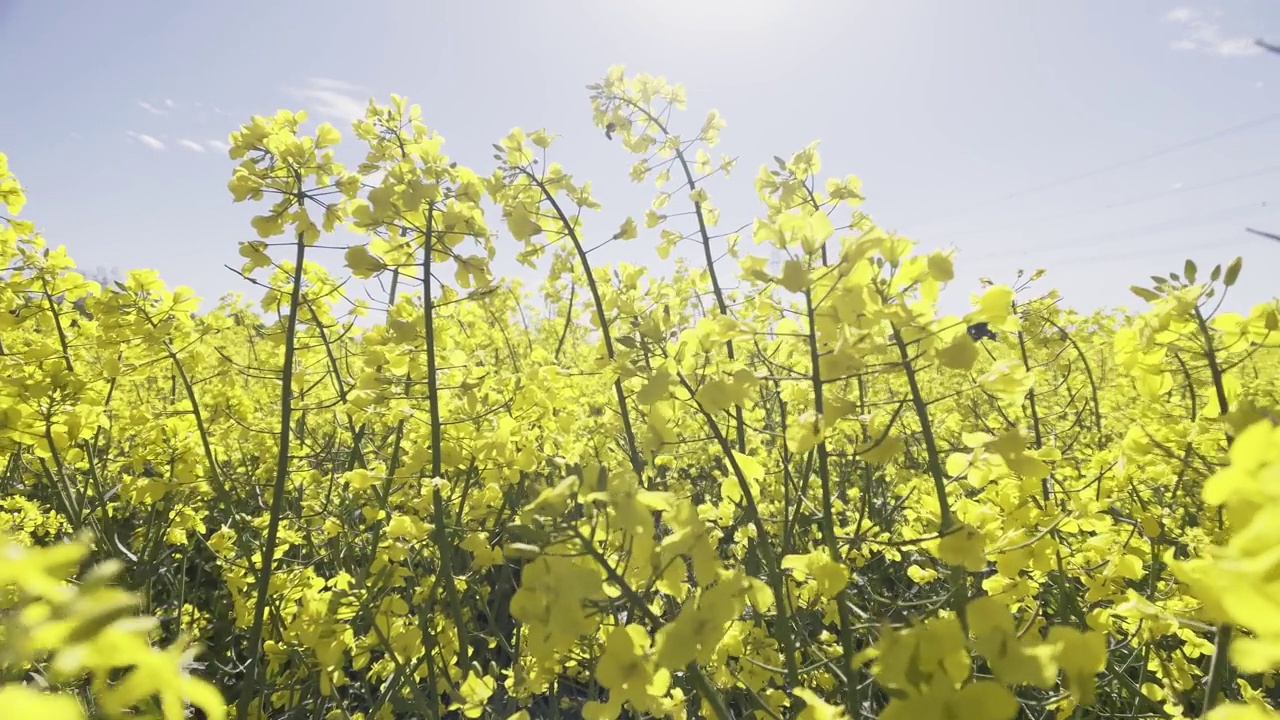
(253, 668)
(707, 257)
(853, 699)
(777, 582)
(444, 547)
(1220, 666)
(695, 672)
(958, 578)
(633, 448)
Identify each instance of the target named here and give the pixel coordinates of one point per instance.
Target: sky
(1104, 141)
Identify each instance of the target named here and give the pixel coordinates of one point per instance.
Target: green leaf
(1144, 293)
(1216, 273)
(327, 135)
(795, 276)
(996, 304)
(1233, 272)
(1189, 270)
(521, 551)
(960, 354)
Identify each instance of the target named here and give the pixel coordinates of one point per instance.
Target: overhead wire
(1197, 220)
(1148, 252)
(1124, 203)
(1112, 167)
(1095, 258)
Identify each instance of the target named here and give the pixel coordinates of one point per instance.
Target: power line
(1168, 149)
(1147, 252)
(1142, 230)
(1185, 247)
(1123, 203)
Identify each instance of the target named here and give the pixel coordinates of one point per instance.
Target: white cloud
(191, 145)
(151, 108)
(169, 104)
(218, 145)
(334, 99)
(147, 140)
(1202, 33)
(1181, 15)
(1234, 47)
(331, 84)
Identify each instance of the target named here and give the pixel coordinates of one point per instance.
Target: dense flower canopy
(776, 483)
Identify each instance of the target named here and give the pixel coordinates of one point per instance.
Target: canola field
(748, 488)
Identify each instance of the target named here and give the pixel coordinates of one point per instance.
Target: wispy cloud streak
(148, 140)
(1201, 32)
(333, 99)
(151, 108)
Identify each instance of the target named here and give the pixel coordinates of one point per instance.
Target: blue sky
(1026, 134)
